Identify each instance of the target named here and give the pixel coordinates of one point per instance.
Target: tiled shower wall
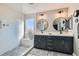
(8, 33)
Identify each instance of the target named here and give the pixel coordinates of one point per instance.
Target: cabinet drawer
(51, 38)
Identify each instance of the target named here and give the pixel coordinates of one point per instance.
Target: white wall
(9, 37)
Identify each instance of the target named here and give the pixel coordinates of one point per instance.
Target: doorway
(28, 32)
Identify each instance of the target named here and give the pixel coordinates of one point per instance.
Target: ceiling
(30, 8)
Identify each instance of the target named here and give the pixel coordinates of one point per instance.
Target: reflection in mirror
(78, 30)
(59, 24)
(70, 23)
(42, 25)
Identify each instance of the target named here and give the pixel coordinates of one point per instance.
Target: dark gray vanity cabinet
(40, 42)
(68, 44)
(55, 43)
(37, 41)
(59, 44)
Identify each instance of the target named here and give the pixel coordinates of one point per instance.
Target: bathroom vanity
(60, 39)
(54, 42)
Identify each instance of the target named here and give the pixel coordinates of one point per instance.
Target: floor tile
(40, 52)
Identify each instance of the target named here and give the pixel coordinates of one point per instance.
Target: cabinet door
(43, 42)
(59, 44)
(37, 41)
(68, 44)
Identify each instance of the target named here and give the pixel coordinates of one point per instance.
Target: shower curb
(27, 51)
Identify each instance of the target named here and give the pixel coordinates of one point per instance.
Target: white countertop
(55, 33)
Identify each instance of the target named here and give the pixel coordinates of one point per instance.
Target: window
(29, 28)
(30, 24)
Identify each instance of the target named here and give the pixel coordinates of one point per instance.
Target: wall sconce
(42, 16)
(61, 11)
(59, 14)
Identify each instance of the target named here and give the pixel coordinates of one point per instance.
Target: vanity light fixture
(61, 11)
(42, 14)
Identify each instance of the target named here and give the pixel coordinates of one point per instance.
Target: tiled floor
(22, 49)
(40, 52)
(16, 52)
(34, 52)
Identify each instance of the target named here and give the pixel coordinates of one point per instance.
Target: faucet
(60, 31)
(42, 31)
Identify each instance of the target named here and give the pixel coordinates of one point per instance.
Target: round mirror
(42, 25)
(59, 24)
